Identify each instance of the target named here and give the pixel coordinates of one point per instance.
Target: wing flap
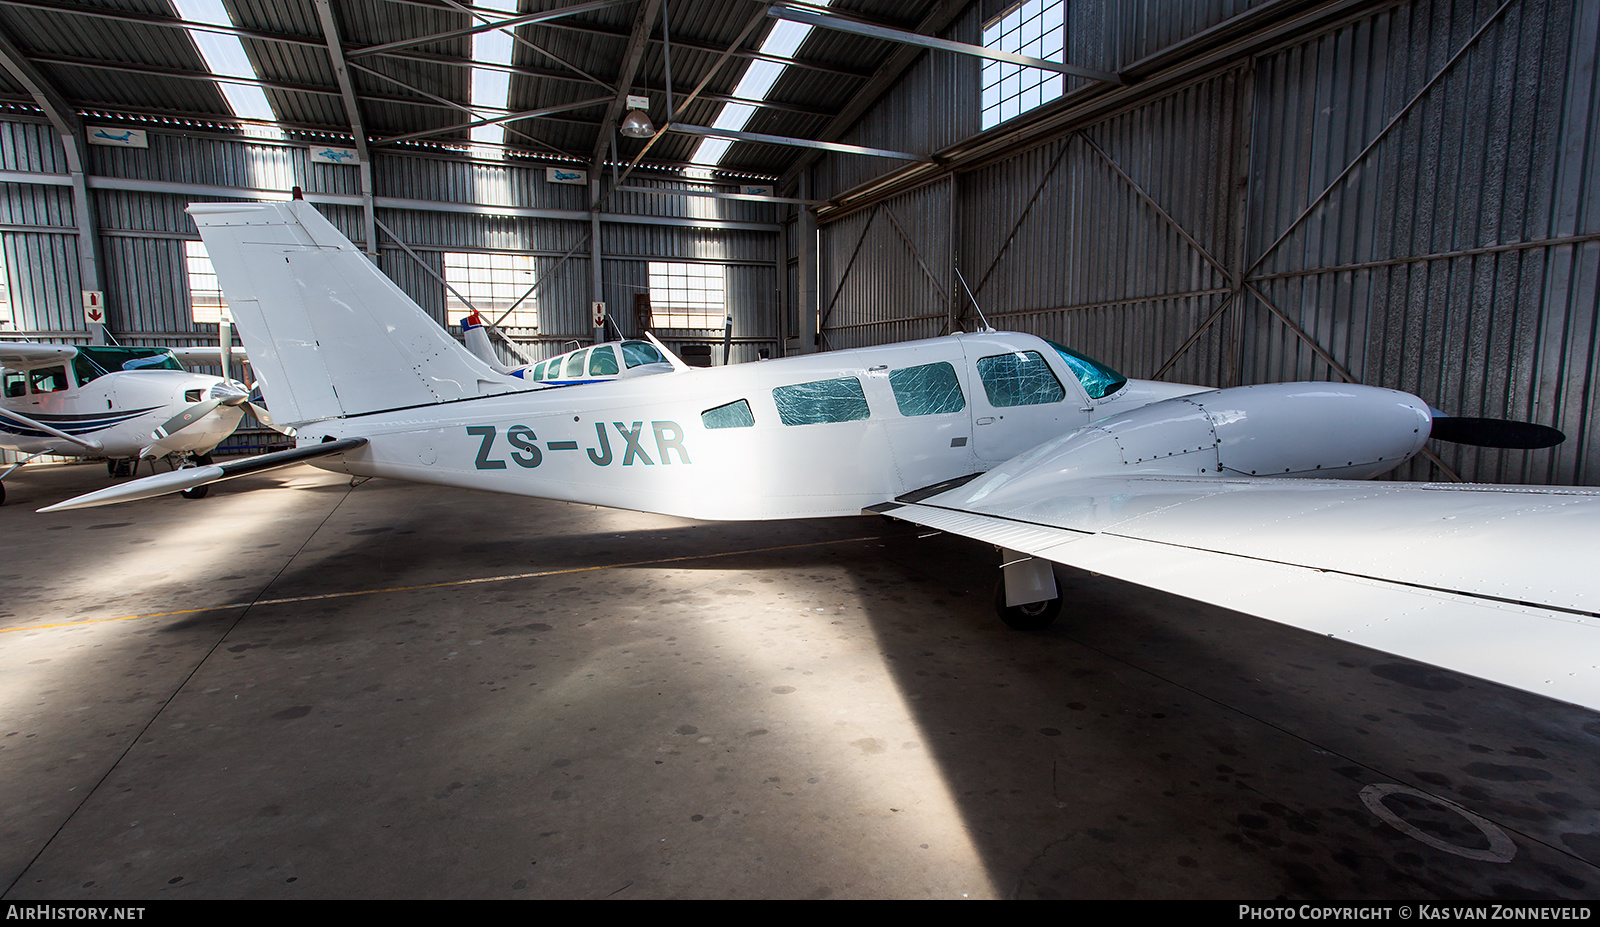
(1485, 581)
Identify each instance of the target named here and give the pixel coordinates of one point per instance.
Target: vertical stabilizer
(328, 333)
(476, 337)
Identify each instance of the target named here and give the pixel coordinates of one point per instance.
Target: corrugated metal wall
(1404, 196)
(142, 234)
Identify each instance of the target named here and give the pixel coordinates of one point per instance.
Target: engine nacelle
(1324, 430)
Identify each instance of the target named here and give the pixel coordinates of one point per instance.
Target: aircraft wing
(206, 356)
(24, 355)
(1493, 581)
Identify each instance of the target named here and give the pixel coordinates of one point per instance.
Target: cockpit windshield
(94, 361)
(1098, 380)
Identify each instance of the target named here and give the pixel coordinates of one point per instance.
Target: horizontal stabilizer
(191, 477)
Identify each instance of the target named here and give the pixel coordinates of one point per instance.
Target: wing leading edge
(1493, 581)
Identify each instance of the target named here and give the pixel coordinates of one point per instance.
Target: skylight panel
(224, 56)
(781, 42)
(491, 88)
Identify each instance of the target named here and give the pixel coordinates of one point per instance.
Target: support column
(598, 290)
(806, 287)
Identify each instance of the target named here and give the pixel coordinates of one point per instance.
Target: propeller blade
(1494, 432)
(191, 414)
(265, 418)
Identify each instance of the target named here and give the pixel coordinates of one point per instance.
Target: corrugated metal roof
(135, 58)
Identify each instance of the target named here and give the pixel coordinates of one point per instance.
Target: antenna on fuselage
(986, 326)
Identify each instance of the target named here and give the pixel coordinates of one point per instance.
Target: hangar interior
(1216, 192)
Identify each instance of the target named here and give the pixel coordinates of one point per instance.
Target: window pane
(205, 294)
(575, 365)
(494, 283)
(822, 401)
(927, 390)
(1098, 380)
(1036, 29)
(635, 353)
(603, 362)
(1020, 379)
(686, 295)
(732, 415)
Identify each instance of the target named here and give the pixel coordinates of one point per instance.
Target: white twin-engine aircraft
(1251, 498)
(123, 404)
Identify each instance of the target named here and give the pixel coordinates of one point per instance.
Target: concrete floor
(296, 689)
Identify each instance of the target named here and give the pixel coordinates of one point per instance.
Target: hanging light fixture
(636, 124)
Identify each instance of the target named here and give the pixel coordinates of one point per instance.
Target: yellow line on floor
(455, 582)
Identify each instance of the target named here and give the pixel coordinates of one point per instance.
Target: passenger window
(822, 401)
(16, 384)
(603, 362)
(1021, 378)
(538, 372)
(575, 365)
(635, 353)
(733, 415)
(554, 373)
(48, 379)
(927, 390)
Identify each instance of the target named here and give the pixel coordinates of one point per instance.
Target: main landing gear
(1025, 596)
(199, 492)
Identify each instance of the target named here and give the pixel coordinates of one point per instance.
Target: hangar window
(1035, 28)
(927, 390)
(733, 415)
(1021, 378)
(493, 283)
(687, 295)
(205, 294)
(821, 402)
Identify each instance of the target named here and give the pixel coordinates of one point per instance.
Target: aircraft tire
(2, 494)
(202, 460)
(1035, 616)
(199, 492)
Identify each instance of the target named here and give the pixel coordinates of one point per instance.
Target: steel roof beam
(525, 114)
(489, 26)
(841, 24)
(644, 18)
(796, 142)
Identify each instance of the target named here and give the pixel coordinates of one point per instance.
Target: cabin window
(48, 379)
(575, 365)
(1021, 378)
(821, 402)
(733, 415)
(496, 284)
(930, 389)
(538, 371)
(16, 384)
(638, 353)
(97, 361)
(1098, 380)
(603, 362)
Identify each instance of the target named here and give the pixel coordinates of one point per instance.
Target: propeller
(1494, 432)
(258, 408)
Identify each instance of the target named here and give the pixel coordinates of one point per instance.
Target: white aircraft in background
(1254, 498)
(615, 360)
(123, 404)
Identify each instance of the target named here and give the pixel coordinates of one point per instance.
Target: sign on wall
(122, 138)
(322, 154)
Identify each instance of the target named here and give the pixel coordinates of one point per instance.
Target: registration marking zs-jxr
(525, 452)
